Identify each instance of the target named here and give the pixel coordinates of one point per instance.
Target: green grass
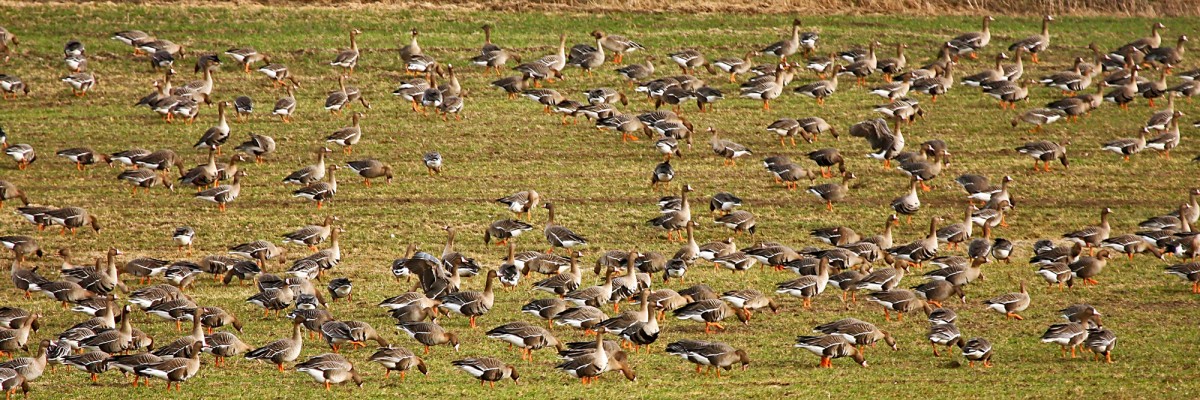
(602, 191)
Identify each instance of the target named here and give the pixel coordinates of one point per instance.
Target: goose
(12, 340)
(831, 192)
(689, 59)
(894, 66)
(330, 369)
(560, 236)
(282, 350)
(10, 85)
(429, 334)
(278, 73)
(1189, 272)
(1168, 56)
(1126, 147)
(310, 235)
(588, 366)
(711, 313)
(81, 156)
(1087, 267)
(908, 204)
(714, 355)
(859, 332)
(133, 38)
(977, 349)
(726, 148)
(526, 336)
(829, 347)
(1037, 117)
(1150, 42)
(1067, 335)
(258, 146)
(971, 42)
(1068, 81)
(310, 173)
(988, 76)
(223, 194)
(1010, 303)
(81, 82)
(766, 91)
(92, 362)
(1092, 236)
(943, 334)
(861, 67)
(487, 370)
(320, 192)
(787, 47)
(820, 90)
(637, 72)
(247, 56)
(286, 105)
(347, 59)
(736, 66)
(338, 100)
(471, 304)
(1124, 93)
(22, 153)
(899, 300)
(739, 221)
(809, 286)
(28, 368)
(954, 234)
(1036, 43)
(1161, 120)
(204, 175)
(1101, 341)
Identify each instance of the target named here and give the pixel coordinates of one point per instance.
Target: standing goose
(347, 59)
(954, 234)
(766, 90)
(81, 82)
(1092, 237)
(976, 349)
(1036, 43)
(617, 44)
(1126, 147)
(1125, 93)
(560, 236)
(1168, 56)
(330, 369)
(1010, 303)
(310, 173)
(285, 106)
(971, 42)
(1189, 272)
(320, 192)
(894, 66)
(809, 286)
(899, 300)
(908, 204)
(637, 72)
(831, 192)
(989, 75)
(821, 89)
(786, 47)
(1101, 341)
(921, 250)
(371, 169)
(277, 73)
(310, 235)
(10, 85)
(471, 304)
(215, 136)
(675, 221)
(282, 350)
(223, 345)
(223, 194)
(689, 59)
(398, 359)
(338, 100)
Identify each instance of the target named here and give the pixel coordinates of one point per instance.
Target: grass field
(602, 191)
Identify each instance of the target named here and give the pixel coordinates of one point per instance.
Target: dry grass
(1138, 8)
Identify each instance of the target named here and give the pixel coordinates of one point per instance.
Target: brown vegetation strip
(1145, 8)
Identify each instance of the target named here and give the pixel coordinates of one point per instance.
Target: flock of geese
(850, 261)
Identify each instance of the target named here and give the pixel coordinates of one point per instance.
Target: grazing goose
(829, 347)
(1189, 272)
(1044, 152)
(1036, 43)
(81, 156)
(1037, 117)
(831, 192)
(347, 59)
(714, 355)
(487, 370)
(560, 236)
(899, 300)
(258, 146)
(72, 218)
(81, 82)
(636, 72)
(826, 159)
(278, 73)
(726, 148)
(1101, 341)
(371, 169)
(711, 313)
(976, 349)
(22, 153)
(330, 369)
(429, 334)
(971, 42)
(433, 162)
(505, 229)
(1067, 335)
(10, 85)
(945, 334)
